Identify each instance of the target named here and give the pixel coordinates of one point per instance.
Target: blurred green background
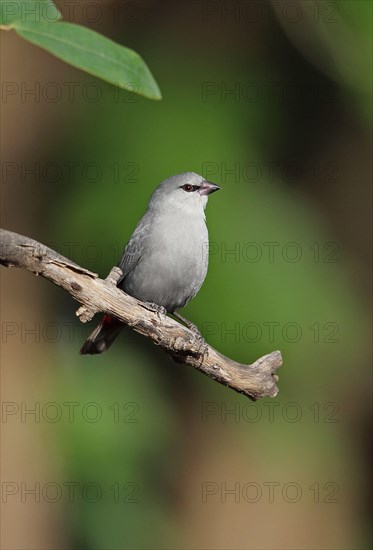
(128, 450)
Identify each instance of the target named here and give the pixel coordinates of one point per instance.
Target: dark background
(128, 449)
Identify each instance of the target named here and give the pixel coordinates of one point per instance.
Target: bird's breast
(185, 239)
(174, 263)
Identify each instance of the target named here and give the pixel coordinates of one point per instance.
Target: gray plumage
(165, 261)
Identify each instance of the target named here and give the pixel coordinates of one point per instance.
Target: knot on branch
(86, 313)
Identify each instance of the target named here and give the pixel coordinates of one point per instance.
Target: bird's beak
(207, 187)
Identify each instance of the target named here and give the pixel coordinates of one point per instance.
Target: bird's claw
(198, 336)
(191, 326)
(159, 310)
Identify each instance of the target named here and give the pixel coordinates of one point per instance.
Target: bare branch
(95, 294)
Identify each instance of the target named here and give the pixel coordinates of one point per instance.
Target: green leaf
(24, 11)
(93, 53)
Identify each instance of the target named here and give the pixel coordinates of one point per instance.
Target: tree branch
(95, 294)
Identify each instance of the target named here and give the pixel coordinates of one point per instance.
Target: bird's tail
(103, 336)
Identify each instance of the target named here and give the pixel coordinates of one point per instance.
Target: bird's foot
(191, 326)
(159, 310)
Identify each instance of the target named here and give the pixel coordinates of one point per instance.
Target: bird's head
(187, 192)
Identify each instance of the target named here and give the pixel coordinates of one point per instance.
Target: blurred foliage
(110, 444)
(337, 38)
(36, 22)
(136, 144)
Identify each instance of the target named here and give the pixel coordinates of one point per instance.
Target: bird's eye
(188, 188)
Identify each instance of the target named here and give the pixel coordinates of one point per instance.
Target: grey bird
(165, 261)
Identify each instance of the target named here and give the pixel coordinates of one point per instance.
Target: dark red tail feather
(103, 336)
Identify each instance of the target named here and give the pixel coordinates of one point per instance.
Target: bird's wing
(135, 248)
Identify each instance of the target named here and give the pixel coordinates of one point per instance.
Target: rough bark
(255, 380)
